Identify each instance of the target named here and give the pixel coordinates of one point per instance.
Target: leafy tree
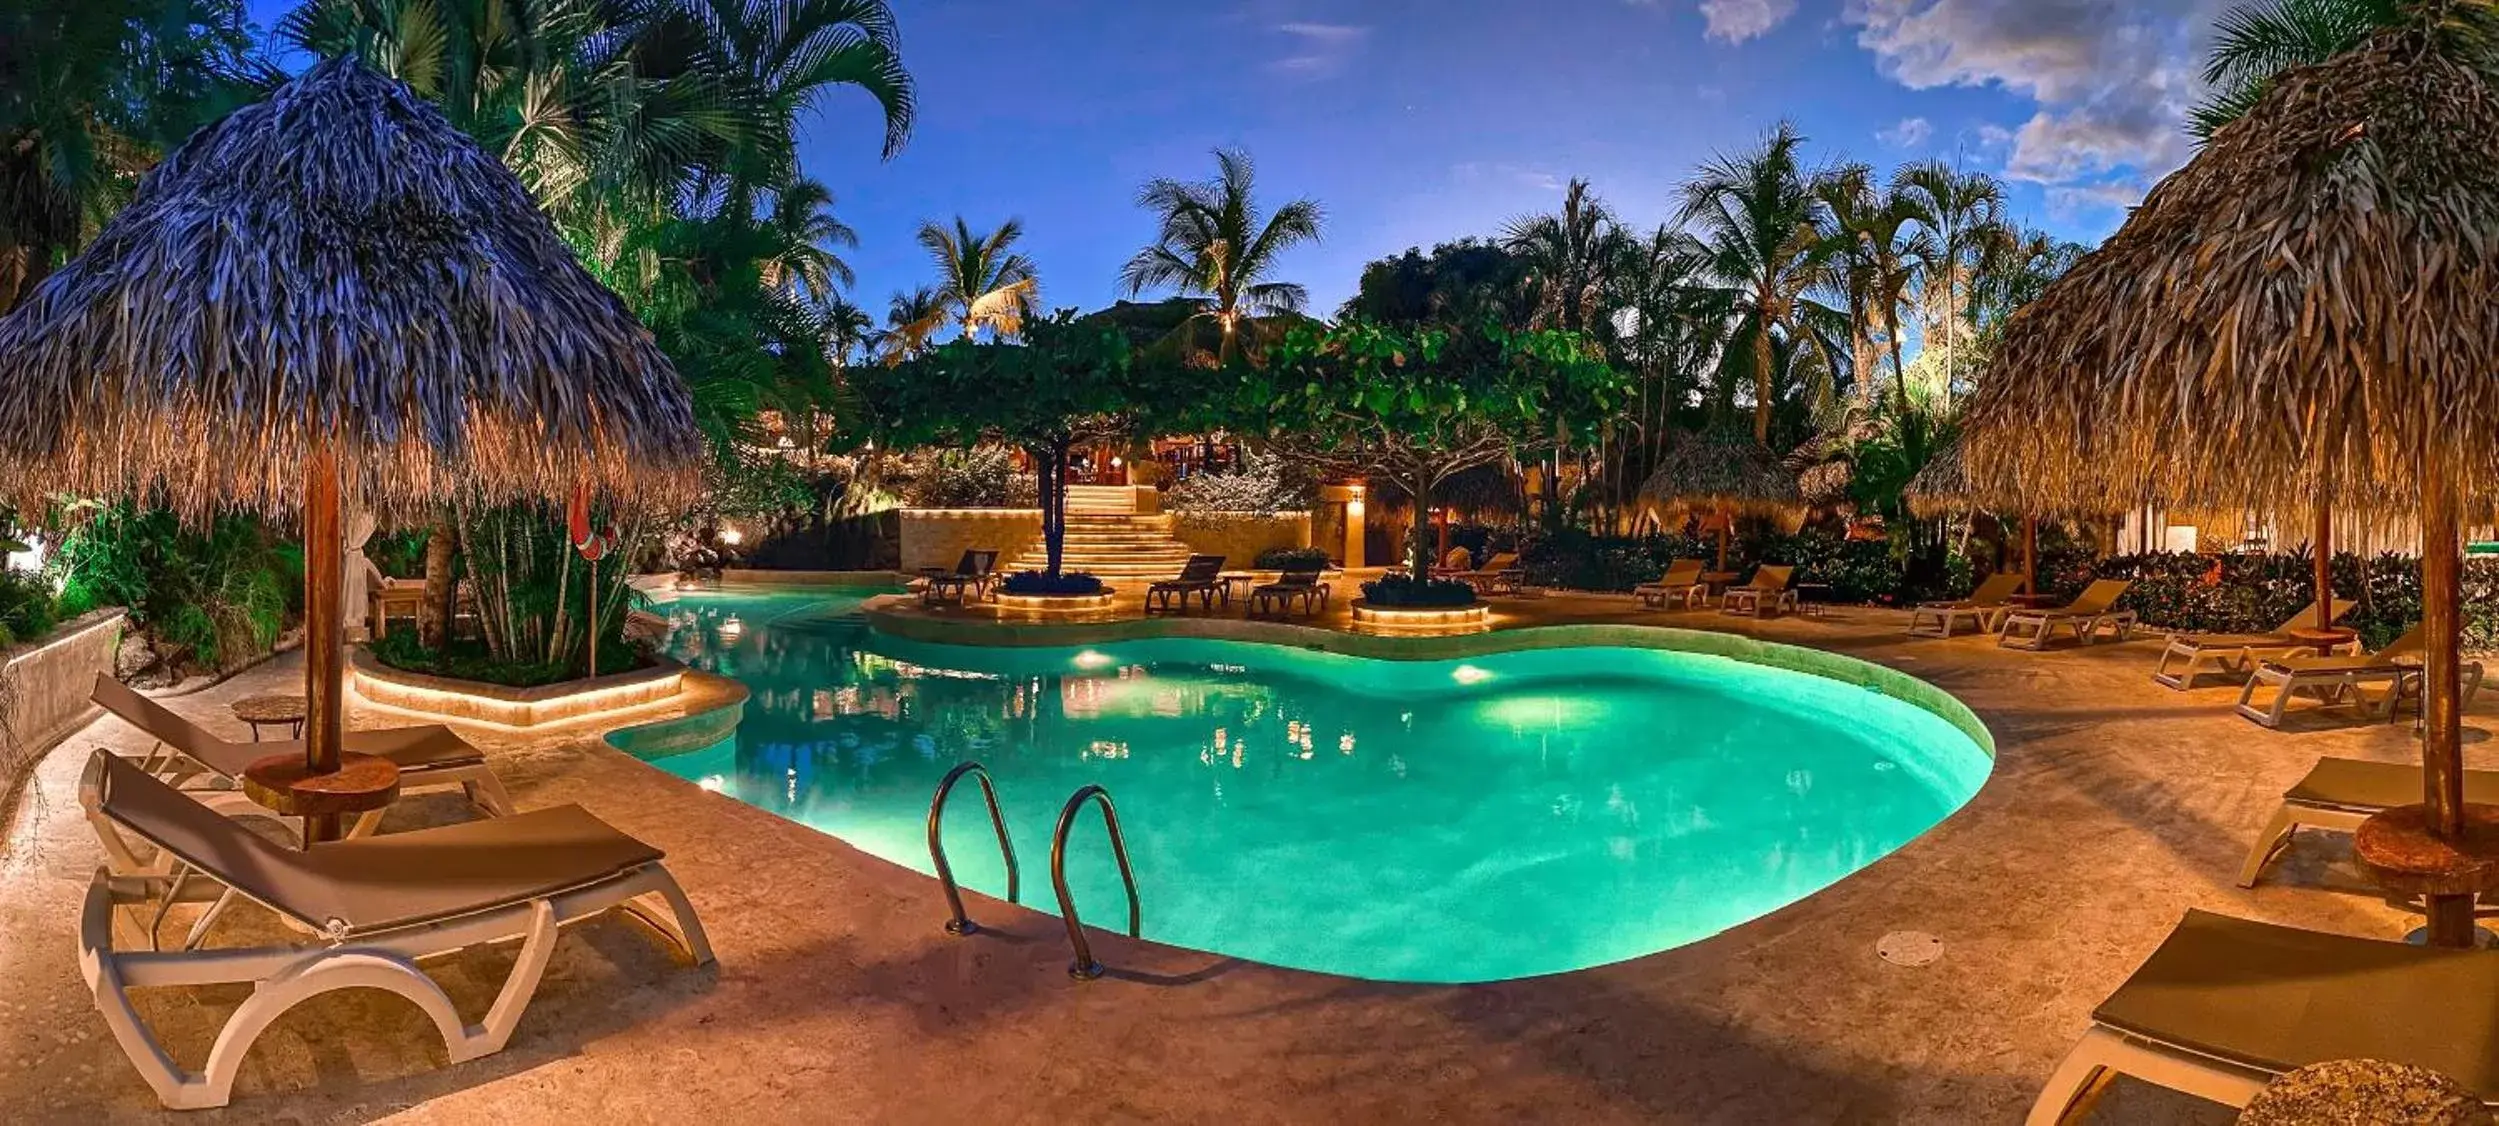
(981, 281)
(1757, 215)
(1422, 405)
(91, 93)
(1213, 241)
(1067, 384)
(1467, 282)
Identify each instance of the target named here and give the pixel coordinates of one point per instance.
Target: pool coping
(896, 616)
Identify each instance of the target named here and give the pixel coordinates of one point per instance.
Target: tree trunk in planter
(435, 612)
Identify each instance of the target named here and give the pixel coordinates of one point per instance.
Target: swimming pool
(1432, 821)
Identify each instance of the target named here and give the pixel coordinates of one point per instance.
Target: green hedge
(1855, 570)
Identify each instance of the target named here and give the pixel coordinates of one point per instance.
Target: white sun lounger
(2226, 1005)
(431, 757)
(2091, 611)
(2232, 652)
(2339, 793)
(1982, 609)
(372, 908)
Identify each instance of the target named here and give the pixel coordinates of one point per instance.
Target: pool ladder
(1083, 968)
(962, 924)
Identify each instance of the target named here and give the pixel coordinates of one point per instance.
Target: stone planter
(475, 702)
(44, 686)
(1421, 619)
(1054, 605)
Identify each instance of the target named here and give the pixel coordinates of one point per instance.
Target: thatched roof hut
(2306, 310)
(337, 258)
(2307, 301)
(1720, 467)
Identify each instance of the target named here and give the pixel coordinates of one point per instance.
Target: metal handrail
(962, 924)
(1084, 968)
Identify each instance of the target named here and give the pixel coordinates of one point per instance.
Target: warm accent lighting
(1093, 660)
(732, 536)
(1469, 674)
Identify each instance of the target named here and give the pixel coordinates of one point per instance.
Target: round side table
(286, 785)
(2325, 641)
(2398, 850)
(273, 709)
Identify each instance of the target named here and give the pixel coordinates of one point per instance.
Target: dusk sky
(1419, 121)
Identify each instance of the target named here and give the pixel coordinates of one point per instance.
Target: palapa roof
(2305, 301)
(337, 256)
(1720, 466)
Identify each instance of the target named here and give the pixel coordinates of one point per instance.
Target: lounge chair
(2227, 1005)
(1500, 574)
(1679, 588)
(2340, 793)
(971, 578)
(2233, 652)
(432, 757)
(2094, 609)
(2341, 680)
(1298, 584)
(371, 909)
(1766, 595)
(1982, 609)
(1457, 562)
(1201, 576)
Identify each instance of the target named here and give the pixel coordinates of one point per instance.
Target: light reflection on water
(1430, 821)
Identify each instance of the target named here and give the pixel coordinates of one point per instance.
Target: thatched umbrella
(1943, 485)
(1721, 469)
(2303, 315)
(334, 287)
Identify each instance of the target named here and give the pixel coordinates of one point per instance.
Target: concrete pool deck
(2116, 805)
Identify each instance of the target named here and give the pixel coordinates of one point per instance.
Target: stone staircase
(1109, 539)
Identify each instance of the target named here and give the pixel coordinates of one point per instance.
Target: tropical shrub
(1284, 558)
(533, 592)
(27, 607)
(212, 597)
(1043, 583)
(979, 477)
(1265, 484)
(1398, 588)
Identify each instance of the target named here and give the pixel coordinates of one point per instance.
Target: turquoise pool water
(1440, 821)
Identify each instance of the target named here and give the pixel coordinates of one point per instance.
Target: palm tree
(1758, 218)
(1961, 221)
(1569, 257)
(848, 329)
(96, 89)
(981, 282)
(2254, 42)
(593, 100)
(804, 233)
(1215, 243)
(912, 320)
(1852, 204)
(2021, 273)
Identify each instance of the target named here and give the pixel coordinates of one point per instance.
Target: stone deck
(2116, 805)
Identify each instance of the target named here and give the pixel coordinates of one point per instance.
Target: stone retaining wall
(44, 687)
(1240, 536)
(938, 537)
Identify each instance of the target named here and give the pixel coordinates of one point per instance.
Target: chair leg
(2076, 1084)
(2269, 844)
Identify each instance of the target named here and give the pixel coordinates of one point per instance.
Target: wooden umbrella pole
(1726, 530)
(2442, 568)
(2325, 562)
(2030, 553)
(324, 574)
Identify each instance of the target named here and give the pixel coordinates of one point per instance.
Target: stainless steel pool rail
(962, 924)
(1084, 968)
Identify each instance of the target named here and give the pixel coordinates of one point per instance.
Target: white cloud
(1911, 133)
(1734, 21)
(1529, 176)
(2112, 79)
(1320, 49)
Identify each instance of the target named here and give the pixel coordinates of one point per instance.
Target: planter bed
(479, 702)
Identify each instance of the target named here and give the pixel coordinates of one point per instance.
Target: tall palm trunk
(1761, 380)
(435, 612)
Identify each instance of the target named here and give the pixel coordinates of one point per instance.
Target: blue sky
(1417, 121)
